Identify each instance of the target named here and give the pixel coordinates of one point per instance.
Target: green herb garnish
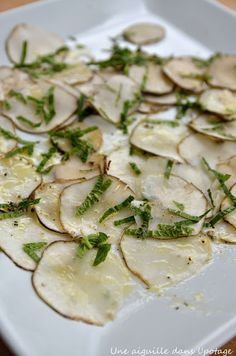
(93, 197)
(19, 96)
(27, 121)
(23, 52)
(116, 208)
(98, 241)
(31, 248)
(168, 169)
(127, 220)
(219, 216)
(46, 157)
(135, 168)
(12, 210)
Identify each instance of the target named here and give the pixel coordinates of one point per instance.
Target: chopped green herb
(98, 241)
(46, 157)
(127, 220)
(183, 104)
(219, 216)
(44, 107)
(135, 168)
(12, 210)
(203, 63)
(193, 218)
(210, 197)
(93, 197)
(23, 52)
(116, 208)
(203, 76)
(27, 149)
(31, 248)
(144, 212)
(180, 206)
(18, 95)
(168, 169)
(27, 121)
(171, 123)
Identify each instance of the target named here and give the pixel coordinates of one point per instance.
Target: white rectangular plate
(207, 302)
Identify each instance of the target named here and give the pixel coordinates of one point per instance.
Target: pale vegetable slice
(68, 122)
(166, 99)
(195, 146)
(196, 175)
(39, 42)
(162, 264)
(74, 74)
(73, 287)
(82, 225)
(110, 97)
(119, 167)
(74, 168)
(94, 137)
(12, 79)
(186, 74)
(6, 145)
(222, 72)
(159, 138)
(64, 104)
(149, 108)
(167, 194)
(18, 179)
(222, 232)
(144, 33)
(231, 217)
(89, 88)
(14, 233)
(213, 126)
(155, 81)
(220, 101)
(48, 208)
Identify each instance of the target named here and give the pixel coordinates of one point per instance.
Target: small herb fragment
(168, 169)
(127, 220)
(46, 157)
(116, 208)
(31, 248)
(135, 168)
(12, 210)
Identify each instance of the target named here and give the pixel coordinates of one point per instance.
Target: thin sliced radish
(220, 101)
(73, 287)
(64, 104)
(186, 74)
(155, 81)
(159, 138)
(222, 232)
(222, 72)
(213, 126)
(144, 33)
(39, 42)
(74, 74)
(162, 264)
(18, 179)
(82, 225)
(26, 229)
(166, 99)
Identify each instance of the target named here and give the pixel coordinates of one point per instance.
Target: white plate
(207, 302)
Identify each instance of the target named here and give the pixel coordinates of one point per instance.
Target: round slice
(144, 33)
(18, 179)
(110, 97)
(186, 74)
(166, 99)
(162, 264)
(222, 72)
(27, 116)
(222, 232)
(32, 40)
(82, 224)
(173, 194)
(74, 74)
(148, 108)
(219, 101)
(74, 168)
(6, 144)
(155, 81)
(159, 137)
(73, 287)
(26, 229)
(196, 146)
(231, 217)
(94, 138)
(48, 209)
(213, 126)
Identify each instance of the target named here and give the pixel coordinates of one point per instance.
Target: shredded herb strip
(80, 147)
(219, 216)
(203, 76)
(27, 121)
(180, 206)
(98, 241)
(27, 149)
(127, 220)
(144, 212)
(203, 63)
(210, 197)
(171, 123)
(116, 208)
(194, 218)
(10, 136)
(83, 110)
(24, 51)
(135, 168)
(12, 210)
(45, 107)
(18, 95)
(168, 169)
(183, 104)
(46, 157)
(93, 197)
(44, 65)
(31, 248)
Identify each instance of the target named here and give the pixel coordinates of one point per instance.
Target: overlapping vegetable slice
(77, 290)
(220, 101)
(81, 216)
(26, 42)
(162, 264)
(144, 33)
(222, 72)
